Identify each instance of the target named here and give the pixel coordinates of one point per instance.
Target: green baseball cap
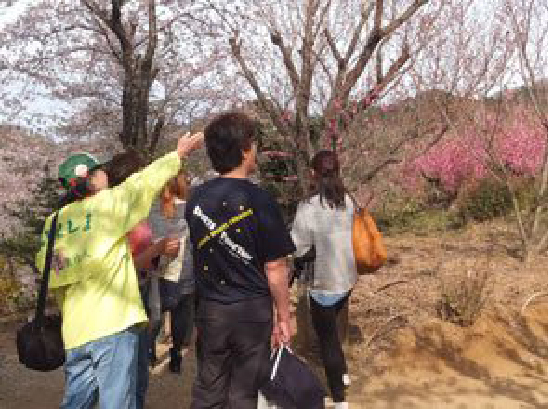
(78, 165)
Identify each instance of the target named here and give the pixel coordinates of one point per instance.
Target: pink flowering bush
(453, 162)
(522, 146)
(476, 152)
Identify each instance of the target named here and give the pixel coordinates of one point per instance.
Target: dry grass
(462, 298)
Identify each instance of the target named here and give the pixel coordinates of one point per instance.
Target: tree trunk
(525, 242)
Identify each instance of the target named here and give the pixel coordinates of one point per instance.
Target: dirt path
(24, 389)
(422, 362)
(490, 366)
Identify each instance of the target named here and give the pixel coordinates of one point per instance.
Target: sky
(42, 111)
(8, 14)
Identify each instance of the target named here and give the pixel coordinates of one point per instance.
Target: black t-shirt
(235, 228)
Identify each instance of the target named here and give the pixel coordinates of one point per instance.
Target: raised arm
(131, 201)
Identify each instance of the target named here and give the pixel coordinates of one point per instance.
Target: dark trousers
(182, 322)
(233, 349)
(325, 324)
(143, 355)
(181, 308)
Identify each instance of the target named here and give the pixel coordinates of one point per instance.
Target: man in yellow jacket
(94, 279)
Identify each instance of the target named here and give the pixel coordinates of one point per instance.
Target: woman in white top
(325, 222)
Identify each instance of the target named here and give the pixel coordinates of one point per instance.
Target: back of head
(226, 137)
(329, 185)
(123, 165)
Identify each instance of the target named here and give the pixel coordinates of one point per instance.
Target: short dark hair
(226, 137)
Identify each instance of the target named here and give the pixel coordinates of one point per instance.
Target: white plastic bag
(262, 402)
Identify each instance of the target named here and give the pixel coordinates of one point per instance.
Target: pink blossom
(286, 116)
(277, 154)
(519, 144)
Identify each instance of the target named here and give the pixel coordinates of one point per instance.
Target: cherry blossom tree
(312, 58)
(130, 69)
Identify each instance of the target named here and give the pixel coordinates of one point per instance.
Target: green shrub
(396, 214)
(485, 200)
(435, 220)
(3, 264)
(10, 294)
(527, 195)
(413, 216)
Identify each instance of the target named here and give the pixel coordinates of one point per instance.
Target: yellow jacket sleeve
(131, 201)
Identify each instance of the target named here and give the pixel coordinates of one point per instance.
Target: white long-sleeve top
(330, 231)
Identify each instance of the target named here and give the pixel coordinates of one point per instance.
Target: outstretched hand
(188, 143)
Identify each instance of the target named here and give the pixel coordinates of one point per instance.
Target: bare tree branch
(235, 44)
(276, 39)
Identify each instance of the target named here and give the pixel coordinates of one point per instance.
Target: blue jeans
(104, 371)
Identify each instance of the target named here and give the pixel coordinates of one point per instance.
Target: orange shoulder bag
(369, 249)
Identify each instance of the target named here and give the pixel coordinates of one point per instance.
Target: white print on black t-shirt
(235, 249)
(210, 224)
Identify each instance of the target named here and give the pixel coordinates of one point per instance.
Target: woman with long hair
(175, 274)
(325, 221)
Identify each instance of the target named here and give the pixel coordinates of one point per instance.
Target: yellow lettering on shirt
(224, 227)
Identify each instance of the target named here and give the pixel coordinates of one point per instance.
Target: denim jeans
(103, 371)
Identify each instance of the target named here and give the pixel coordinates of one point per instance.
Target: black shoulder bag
(39, 342)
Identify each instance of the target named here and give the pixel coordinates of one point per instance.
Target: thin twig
(531, 298)
(385, 286)
(384, 325)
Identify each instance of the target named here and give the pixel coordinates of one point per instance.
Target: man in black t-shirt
(240, 246)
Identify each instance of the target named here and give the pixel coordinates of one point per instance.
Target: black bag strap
(41, 304)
